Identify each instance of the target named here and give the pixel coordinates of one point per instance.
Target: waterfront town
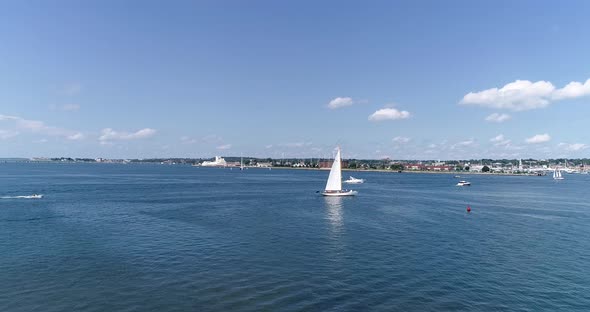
(506, 166)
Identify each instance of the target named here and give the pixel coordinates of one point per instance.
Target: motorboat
(464, 183)
(218, 162)
(353, 180)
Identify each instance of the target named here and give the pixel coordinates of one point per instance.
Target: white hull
(340, 193)
(355, 181)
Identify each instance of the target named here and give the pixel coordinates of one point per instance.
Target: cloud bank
(573, 147)
(522, 95)
(39, 127)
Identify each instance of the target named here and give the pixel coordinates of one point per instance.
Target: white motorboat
(334, 184)
(353, 180)
(464, 183)
(218, 162)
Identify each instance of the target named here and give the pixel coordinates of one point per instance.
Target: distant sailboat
(334, 184)
(557, 174)
(241, 162)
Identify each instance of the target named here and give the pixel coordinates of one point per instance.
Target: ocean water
(179, 238)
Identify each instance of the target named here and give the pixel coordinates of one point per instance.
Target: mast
(335, 178)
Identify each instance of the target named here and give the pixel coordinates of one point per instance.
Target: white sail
(335, 179)
(557, 174)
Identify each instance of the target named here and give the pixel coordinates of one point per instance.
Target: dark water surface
(179, 238)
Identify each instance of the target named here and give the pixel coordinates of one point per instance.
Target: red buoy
(468, 209)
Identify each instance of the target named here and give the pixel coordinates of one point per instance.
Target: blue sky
(398, 79)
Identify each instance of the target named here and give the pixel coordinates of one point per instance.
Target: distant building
(439, 168)
(327, 164)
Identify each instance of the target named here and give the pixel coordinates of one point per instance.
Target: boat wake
(34, 196)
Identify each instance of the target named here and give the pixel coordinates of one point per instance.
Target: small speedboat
(353, 180)
(464, 183)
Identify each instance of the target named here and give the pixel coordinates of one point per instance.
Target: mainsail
(335, 179)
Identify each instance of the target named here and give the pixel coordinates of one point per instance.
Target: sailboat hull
(339, 193)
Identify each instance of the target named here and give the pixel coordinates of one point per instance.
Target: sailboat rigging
(557, 174)
(334, 184)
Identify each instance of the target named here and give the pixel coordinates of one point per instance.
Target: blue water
(179, 238)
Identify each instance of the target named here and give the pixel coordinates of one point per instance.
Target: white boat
(353, 180)
(464, 183)
(218, 162)
(334, 184)
(557, 174)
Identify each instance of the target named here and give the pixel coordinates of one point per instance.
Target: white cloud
(539, 138)
(495, 117)
(573, 89)
(109, 134)
(268, 146)
(389, 114)
(573, 147)
(523, 95)
(39, 127)
(499, 140)
(7, 134)
(401, 139)
(224, 147)
(76, 136)
(340, 102)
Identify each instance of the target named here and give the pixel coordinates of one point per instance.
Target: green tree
(396, 167)
(485, 169)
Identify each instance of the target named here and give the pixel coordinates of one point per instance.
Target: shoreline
(408, 171)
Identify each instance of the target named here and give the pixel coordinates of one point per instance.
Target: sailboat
(241, 162)
(557, 174)
(334, 184)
